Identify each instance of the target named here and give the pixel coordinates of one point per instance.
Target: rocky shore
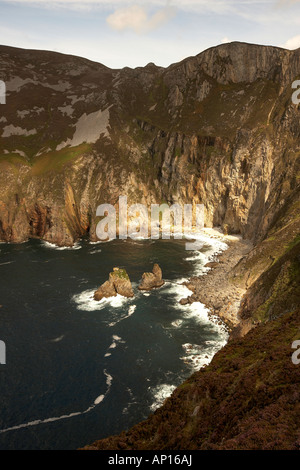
(217, 289)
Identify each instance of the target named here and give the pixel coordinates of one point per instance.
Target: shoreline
(216, 289)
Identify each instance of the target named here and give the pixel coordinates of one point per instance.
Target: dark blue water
(78, 370)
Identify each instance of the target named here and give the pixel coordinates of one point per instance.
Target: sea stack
(118, 283)
(152, 280)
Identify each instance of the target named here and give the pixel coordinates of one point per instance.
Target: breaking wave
(37, 422)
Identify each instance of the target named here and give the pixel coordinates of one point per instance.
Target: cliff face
(219, 129)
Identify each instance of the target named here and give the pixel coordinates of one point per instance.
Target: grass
(13, 159)
(56, 160)
(120, 273)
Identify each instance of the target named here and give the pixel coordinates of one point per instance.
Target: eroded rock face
(121, 282)
(118, 283)
(152, 280)
(214, 130)
(106, 290)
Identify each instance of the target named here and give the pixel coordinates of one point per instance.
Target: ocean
(78, 370)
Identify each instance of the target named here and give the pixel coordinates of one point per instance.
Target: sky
(123, 33)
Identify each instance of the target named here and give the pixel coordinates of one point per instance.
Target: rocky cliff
(219, 129)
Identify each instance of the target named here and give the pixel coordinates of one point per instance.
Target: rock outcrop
(118, 283)
(152, 280)
(106, 290)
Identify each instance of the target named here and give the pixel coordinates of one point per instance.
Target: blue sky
(133, 33)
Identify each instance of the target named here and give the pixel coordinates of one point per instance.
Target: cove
(78, 370)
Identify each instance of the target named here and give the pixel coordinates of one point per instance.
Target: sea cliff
(218, 129)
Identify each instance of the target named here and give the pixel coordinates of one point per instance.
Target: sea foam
(85, 301)
(37, 422)
(160, 394)
(52, 246)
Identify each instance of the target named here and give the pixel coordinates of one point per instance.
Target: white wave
(85, 301)
(102, 241)
(199, 313)
(56, 340)
(94, 252)
(197, 356)
(113, 345)
(160, 394)
(177, 323)
(131, 310)
(178, 290)
(99, 399)
(8, 262)
(36, 422)
(211, 247)
(137, 237)
(109, 380)
(132, 401)
(46, 244)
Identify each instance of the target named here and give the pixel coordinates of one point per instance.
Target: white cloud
(292, 43)
(137, 19)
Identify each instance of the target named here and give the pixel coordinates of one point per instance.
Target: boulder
(118, 283)
(212, 264)
(152, 280)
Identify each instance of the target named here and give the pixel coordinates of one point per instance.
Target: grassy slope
(247, 398)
